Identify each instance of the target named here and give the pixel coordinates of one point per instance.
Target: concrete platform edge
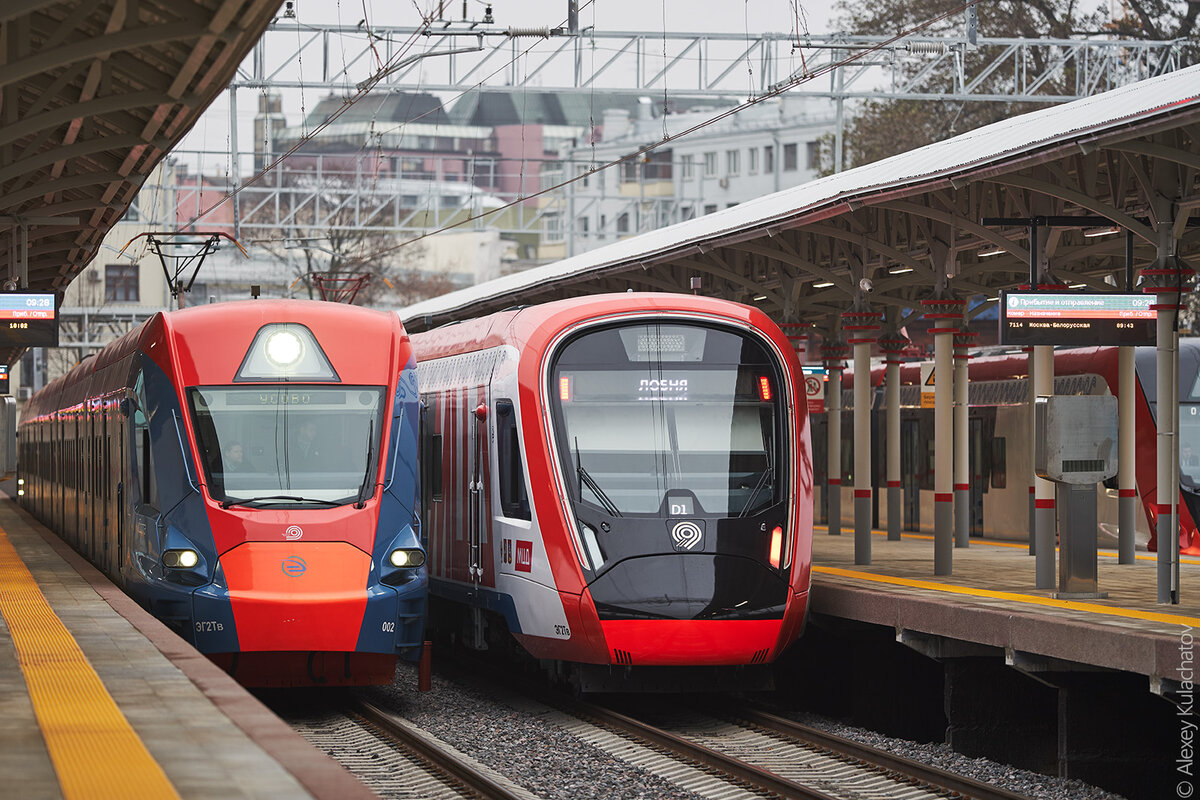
(1120, 648)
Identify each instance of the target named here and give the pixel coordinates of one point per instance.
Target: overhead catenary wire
(773, 91)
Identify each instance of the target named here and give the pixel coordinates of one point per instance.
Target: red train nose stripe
(679, 642)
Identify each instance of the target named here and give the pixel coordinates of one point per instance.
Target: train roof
(518, 325)
(204, 323)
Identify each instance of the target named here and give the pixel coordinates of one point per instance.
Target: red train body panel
(520, 522)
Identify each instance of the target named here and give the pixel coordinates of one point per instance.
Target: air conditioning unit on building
(724, 182)
(24, 393)
(93, 276)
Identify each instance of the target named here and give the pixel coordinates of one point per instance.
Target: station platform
(98, 699)
(990, 601)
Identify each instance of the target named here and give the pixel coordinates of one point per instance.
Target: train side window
(434, 462)
(141, 444)
(999, 469)
(514, 502)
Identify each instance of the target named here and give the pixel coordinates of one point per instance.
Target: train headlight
(284, 348)
(180, 559)
(406, 557)
(285, 351)
(776, 546)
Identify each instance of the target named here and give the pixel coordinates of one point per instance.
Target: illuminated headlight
(20, 492)
(180, 559)
(406, 558)
(284, 348)
(20, 481)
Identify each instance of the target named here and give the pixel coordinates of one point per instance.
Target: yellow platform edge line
(1106, 552)
(95, 751)
(1033, 599)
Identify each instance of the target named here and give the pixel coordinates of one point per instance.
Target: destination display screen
(1077, 318)
(28, 320)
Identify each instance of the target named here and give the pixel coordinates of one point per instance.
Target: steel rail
(443, 761)
(754, 777)
(926, 774)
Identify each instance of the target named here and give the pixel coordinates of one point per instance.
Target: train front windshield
(317, 443)
(670, 420)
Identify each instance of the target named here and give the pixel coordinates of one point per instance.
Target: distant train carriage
(1001, 463)
(618, 481)
(247, 471)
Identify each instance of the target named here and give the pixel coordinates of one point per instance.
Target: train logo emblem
(294, 566)
(293, 533)
(686, 535)
(524, 559)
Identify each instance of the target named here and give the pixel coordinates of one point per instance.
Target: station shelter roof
(912, 224)
(94, 96)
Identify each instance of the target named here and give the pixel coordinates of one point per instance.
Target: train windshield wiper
(587, 480)
(758, 487)
(361, 500)
(285, 498)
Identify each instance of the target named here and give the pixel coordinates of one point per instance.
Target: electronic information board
(28, 320)
(1077, 318)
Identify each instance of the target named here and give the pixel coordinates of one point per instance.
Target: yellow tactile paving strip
(96, 753)
(1002, 571)
(1073, 605)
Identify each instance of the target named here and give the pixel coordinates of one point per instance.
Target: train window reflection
(1189, 446)
(632, 432)
(315, 442)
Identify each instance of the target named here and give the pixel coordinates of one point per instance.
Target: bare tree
(883, 128)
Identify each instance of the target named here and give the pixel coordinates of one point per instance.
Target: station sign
(1077, 318)
(28, 320)
(814, 388)
(927, 385)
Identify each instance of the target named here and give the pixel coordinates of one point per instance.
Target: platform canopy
(92, 96)
(912, 224)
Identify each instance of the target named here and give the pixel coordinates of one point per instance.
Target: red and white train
(617, 481)
(999, 442)
(247, 471)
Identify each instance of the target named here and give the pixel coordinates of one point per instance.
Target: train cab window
(514, 502)
(643, 410)
(315, 442)
(141, 444)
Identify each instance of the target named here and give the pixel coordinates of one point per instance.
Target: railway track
(763, 754)
(458, 769)
(390, 755)
(713, 749)
(886, 762)
(771, 755)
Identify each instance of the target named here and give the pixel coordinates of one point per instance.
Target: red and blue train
(621, 483)
(247, 472)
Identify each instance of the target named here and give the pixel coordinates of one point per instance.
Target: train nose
(690, 609)
(292, 596)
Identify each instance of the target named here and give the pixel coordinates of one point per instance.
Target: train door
(978, 476)
(475, 417)
(911, 450)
